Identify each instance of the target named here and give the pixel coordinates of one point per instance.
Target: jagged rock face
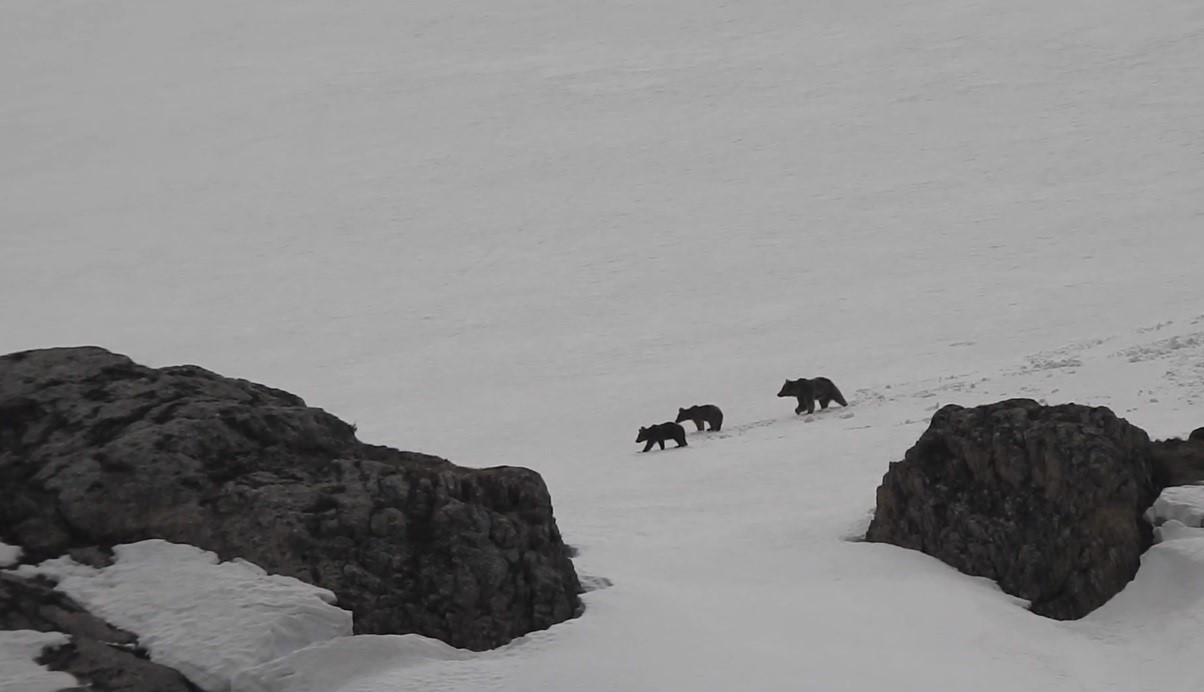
(1046, 500)
(96, 450)
(1179, 462)
(100, 656)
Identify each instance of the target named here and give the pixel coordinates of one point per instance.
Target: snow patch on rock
(19, 672)
(206, 618)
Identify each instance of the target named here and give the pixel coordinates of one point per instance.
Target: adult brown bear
(810, 390)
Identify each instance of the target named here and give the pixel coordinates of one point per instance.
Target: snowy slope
(514, 233)
(734, 570)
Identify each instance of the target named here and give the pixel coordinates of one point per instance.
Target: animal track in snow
(1162, 348)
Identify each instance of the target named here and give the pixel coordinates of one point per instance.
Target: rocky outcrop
(100, 656)
(1179, 462)
(1045, 500)
(96, 450)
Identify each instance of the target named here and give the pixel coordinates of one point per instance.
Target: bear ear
(681, 410)
(642, 428)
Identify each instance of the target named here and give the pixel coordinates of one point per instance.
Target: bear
(657, 434)
(1197, 435)
(703, 413)
(810, 390)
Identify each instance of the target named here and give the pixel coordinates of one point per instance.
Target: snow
(1174, 529)
(345, 664)
(513, 234)
(1184, 504)
(19, 672)
(208, 619)
(1164, 606)
(1177, 515)
(9, 554)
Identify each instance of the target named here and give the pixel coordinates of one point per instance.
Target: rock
(1178, 462)
(1197, 434)
(1045, 500)
(97, 450)
(100, 656)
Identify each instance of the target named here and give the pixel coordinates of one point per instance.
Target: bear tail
(838, 397)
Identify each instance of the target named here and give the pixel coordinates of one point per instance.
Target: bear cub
(657, 434)
(810, 390)
(703, 413)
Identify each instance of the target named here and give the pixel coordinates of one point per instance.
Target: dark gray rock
(1178, 462)
(1045, 500)
(99, 655)
(1197, 435)
(96, 450)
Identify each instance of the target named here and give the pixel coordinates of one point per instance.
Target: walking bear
(808, 391)
(703, 413)
(657, 434)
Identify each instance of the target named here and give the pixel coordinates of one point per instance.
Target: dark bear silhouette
(1197, 434)
(703, 413)
(810, 390)
(657, 434)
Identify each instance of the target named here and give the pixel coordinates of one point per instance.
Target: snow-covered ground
(512, 233)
